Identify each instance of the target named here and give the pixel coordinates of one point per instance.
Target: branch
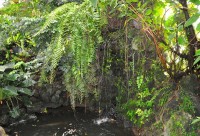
(181, 55)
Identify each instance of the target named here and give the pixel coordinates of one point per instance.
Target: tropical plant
(197, 54)
(75, 37)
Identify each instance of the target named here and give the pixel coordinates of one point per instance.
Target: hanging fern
(77, 32)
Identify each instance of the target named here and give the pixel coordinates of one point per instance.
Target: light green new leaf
(19, 64)
(192, 19)
(197, 60)
(181, 40)
(148, 12)
(198, 27)
(196, 120)
(196, 2)
(129, 1)
(197, 53)
(94, 2)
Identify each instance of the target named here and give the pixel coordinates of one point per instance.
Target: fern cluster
(77, 32)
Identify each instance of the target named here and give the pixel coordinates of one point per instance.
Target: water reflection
(64, 122)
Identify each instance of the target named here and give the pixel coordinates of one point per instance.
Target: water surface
(64, 122)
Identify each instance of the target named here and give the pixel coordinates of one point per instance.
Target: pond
(64, 122)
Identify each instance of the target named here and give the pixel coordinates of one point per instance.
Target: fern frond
(55, 16)
(78, 31)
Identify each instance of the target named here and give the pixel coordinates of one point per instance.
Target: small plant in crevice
(139, 108)
(186, 103)
(143, 94)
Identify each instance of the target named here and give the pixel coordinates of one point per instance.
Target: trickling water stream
(64, 122)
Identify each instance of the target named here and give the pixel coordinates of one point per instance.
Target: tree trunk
(191, 36)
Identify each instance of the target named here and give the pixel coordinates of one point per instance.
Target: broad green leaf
(197, 60)
(12, 77)
(196, 2)
(197, 53)
(198, 27)
(192, 19)
(148, 12)
(6, 66)
(28, 82)
(10, 91)
(25, 91)
(181, 40)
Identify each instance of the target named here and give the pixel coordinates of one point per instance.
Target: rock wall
(176, 115)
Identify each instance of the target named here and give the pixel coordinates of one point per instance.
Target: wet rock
(32, 117)
(127, 123)
(66, 102)
(182, 118)
(190, 83)
(35, 107)
(4, 119)
(52, 105)
(45, 96)
(196, 101)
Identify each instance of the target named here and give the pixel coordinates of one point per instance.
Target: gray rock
(127, 123)
(35, 107)
(45, 96)
(182, 118)
(4, 119)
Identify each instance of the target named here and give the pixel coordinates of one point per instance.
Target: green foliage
(197, 60)
(186, 103)
(32, 8)
(192, 19)
(15, 80)
(94, 2)
(16, 52)
(77, 33)
(197, 120)
(140, 108)
(15, 112)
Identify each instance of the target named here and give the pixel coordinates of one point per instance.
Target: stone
(35, 107)
(4, 119)
(190, 83)
(180, 118)
(127, 123)
(45, 96)
(2, 132)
